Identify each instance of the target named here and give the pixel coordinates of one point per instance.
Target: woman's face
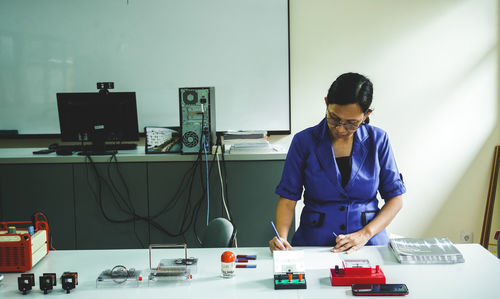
(343, 120)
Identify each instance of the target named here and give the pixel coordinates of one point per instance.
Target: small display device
(98, 117)
(289, 269)
(397, 289)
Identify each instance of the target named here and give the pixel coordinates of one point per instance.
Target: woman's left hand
(351, 242)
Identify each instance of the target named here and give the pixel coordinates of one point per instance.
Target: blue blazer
(310, 167)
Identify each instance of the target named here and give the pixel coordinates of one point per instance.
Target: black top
(344, 164)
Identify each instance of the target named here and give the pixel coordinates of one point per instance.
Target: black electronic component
(98, 118)
(64, 152)
(395, 289)
(52, 148)
(47, 282)
(104, 86)
(197, 116)
(69, 281)
(26, 282)
(44, 151)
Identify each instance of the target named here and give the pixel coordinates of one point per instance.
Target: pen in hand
(336, 236)
(277, 235)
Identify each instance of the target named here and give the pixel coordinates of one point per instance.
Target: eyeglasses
(335, 122)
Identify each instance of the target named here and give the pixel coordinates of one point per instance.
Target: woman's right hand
(275, 244)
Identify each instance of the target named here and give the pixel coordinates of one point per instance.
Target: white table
(26, 156)
(478, 277)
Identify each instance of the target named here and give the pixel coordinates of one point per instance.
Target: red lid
(227, 257)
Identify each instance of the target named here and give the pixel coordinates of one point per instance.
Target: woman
(340, 164)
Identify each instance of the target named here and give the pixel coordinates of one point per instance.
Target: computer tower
(197, 117)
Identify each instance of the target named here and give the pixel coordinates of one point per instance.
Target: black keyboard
(88, 147)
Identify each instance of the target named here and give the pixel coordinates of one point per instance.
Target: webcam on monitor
(104, 86)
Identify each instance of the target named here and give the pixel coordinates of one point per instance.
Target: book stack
(240, 142)
(426, 251)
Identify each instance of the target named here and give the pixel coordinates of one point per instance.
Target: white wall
(151, 47)
(434, 66)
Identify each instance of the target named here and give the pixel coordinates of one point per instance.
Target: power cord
(129, 210)
(207, 177)
(190, 212)
(44, 217)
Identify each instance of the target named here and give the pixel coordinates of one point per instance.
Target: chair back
(219, 233)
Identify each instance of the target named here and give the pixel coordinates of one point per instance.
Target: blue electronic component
(246, 256)
(246, 266)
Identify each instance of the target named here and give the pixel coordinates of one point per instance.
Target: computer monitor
(98, 117)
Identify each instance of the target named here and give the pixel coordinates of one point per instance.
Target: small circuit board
(289, 270)
(290, 281)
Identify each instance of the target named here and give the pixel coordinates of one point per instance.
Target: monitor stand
(98, 147)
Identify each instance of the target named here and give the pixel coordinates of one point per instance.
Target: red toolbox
(22, 249)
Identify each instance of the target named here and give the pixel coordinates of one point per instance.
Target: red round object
(227, 257)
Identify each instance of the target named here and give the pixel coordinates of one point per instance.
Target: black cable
(177, 193)
(198, 204)
(225, 187)
(99, 195)
(176, 197)
(148, 200)
(131, 207)
(190, 213)
(183, 227)
(81, 144)
(203, 187)
(200, 201)
(198, 161)
(191, 172)
(188, 218)
(188, 200)
(94, 193)
(125, 200)
(102, 183)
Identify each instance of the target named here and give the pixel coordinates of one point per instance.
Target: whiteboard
(152, 47)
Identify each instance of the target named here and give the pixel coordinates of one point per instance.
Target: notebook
(426, 251)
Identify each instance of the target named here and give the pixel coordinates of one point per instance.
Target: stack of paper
(247, 142)
(426, 251)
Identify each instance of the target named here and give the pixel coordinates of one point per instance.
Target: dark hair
(351, 88)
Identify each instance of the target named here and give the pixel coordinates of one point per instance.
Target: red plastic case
(19, 252)
(356, 272)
